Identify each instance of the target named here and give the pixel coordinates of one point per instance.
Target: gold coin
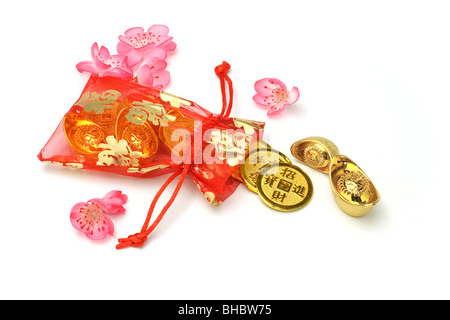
(255, 161)
(284, 187)
(259, 144)
(253, 146)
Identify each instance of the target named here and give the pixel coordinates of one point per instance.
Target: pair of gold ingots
(285, 187)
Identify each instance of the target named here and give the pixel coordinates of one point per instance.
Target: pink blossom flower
(273, 93)
(113, 201)
(152, 73)
(138, 44)
(106, 65)
(141, 57)
(89, 217)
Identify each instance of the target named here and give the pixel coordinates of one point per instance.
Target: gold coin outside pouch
(284, 187)
(271, 174)
(255, 161)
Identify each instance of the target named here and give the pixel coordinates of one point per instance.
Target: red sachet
(122, 127)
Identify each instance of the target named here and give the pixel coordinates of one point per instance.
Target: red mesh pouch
(125, 128)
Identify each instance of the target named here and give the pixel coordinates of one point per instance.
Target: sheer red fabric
(122, 127)
(125, 128)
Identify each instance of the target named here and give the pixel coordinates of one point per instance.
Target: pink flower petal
(158, 29)
(101, 58)
(155, 63)
(158, 35)
(94, 50)
(87, 66)
(114, 201)
(261, 100)
(161, 79)
(157, 53)
(152, 73)
(266, 85)
(115, 194)
(293, 96)
(101, 229)
(278, 83)
(263, 86)
(276, 110)
(169, 45)
(154, 56)
(134, 32)
(99, 203)
(95, 53)
(134, 57)
(123, 47)
(117, 73)
(144, 76)
(89, 219)
(144, 49)
(117, 61)
(103, 55)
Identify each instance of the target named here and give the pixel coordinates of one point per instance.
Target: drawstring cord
(221, 72)
(138, 239)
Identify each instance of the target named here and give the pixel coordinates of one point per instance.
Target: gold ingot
(315, 152)
(180, 122)
(140, 137)
(353, 191)
(83, 135)
(284, 187)
(255, 161)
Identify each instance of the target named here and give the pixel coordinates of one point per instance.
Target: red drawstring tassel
(138, 239)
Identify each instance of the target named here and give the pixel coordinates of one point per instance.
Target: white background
(374, 77)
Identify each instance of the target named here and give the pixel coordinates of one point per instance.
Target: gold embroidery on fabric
(117, 153)
(174, 101)
(211, 197)
(248, 126)
(146, 110)
(67, 164)
(74, 165)
(147, 169)
(230, 147)
(54, 162)
(92, 101)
